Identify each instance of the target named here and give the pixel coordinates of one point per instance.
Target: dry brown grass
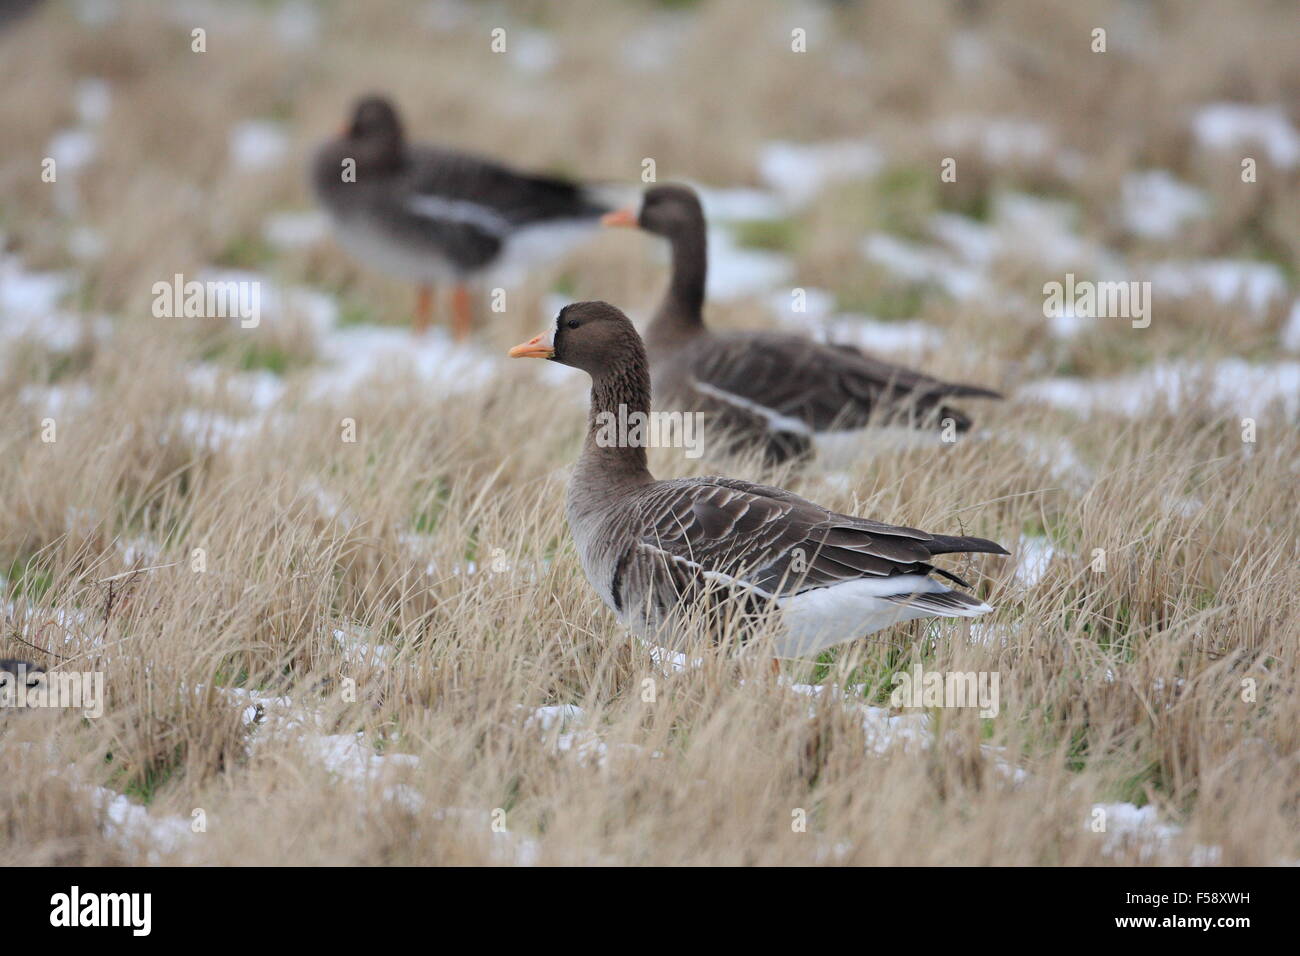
(440, 534)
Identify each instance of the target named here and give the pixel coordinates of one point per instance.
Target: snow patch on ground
(917, 262)
(259, 389)
(96, 13)
(1132, 827)
(72, 149)
(1045, 231)
(93, 99)
(278, 302)
(736, 272)
(353, 760)
(532, 52)
(817, 304)
(358, 353)
(1232, 385)
(40, 626)
(350, 756)
(212, 431)
(992, 634)
(85, 244)
(1232, 127)
(1003, 141)
(1226, 281)
(1290, 338)
(667, 661)
(297, 23)
(1156, 205)
(738, 204)
(138, 551)
(972, 240)
(257, 144)
(884, 729)
(57, 332)
(909, 337)
(653, 48)
(358, 648)
(799, 171)
(25, 293)
(561, 727)
(1033, 557)
(295, 230)
(57, 401)
(819, 321)
(127, 823)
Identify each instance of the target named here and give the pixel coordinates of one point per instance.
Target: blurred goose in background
(15, 672)
(432, 215)
(773, 391)
(11, 11)
(656, 550)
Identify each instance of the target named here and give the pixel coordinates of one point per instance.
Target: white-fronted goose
(773, 391)
(657, 550)
(432, 215)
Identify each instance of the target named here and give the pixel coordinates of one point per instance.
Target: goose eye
(572, 324)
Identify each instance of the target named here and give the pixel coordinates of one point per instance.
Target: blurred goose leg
(461, 314)
(423, 310)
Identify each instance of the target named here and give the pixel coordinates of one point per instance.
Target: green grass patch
(254, 356)
(352, 312)
(246, 252)
(888, 303)
(905, 198)
(775, 235)
(26, 579)
(433, 501)
(144, 783)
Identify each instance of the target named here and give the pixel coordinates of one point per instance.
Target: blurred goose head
(670, 211)
(373, 134)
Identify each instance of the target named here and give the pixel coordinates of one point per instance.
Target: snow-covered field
(322, 564)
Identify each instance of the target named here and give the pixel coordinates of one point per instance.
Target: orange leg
(423, 310)
(462, 315)
(776, 667)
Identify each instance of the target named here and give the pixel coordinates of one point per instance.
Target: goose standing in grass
(433, 215)
(773, 391)
(657, 550)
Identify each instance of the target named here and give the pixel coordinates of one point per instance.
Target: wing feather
(790, 379)
(770, 539)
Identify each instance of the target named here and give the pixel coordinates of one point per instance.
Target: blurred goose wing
(472, 206)
(823, 387)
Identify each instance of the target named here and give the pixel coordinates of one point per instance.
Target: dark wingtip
(972, 391)
(961, 421)
(954, 544)
(988, 547)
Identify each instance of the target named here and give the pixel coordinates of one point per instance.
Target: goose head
(373, 133)
(670, 210)
(592, 336)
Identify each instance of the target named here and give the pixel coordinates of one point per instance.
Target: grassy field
(324, 568)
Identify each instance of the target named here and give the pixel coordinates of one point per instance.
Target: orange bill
(619, 217)
(539, 346)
